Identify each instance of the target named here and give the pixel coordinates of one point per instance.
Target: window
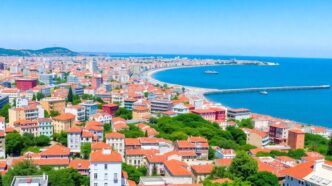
(105, 176)
(105, 184)
(115, 177)
(95, 184)
(95, 176)
(105, 166)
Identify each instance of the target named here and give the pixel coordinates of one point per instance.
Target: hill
(52, 51)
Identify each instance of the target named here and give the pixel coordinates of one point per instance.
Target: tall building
(105, 168)
(3, 100)
(96, 82)
(47, 79)
(2, 66)
(92, 66)
(25, 113)
(296, 139)
(25, 84)
(90, 108)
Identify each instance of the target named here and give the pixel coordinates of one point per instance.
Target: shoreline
(201, 92)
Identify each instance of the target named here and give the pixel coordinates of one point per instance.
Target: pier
(211, 91)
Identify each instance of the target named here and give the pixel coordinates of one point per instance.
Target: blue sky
(231, 27)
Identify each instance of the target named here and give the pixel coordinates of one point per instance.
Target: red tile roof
(79, 164)
(56, 150)
(202, 169)
(100, 156)
(115, 135)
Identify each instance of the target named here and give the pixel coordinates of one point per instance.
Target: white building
(105, 168)
(104, 118)
(22, 101)
(180, 108)
(321, 174)
(116, 140)
(74, 136)
(78, 111)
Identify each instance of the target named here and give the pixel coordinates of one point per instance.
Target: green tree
(124, 113)
(263, 178)
(34, 97)
(70, 96)
(86, 150)
(60, 138)
(4, 112)
(23, 168)
(243, 166)
(39, 96)
(28, 140)
(133, 172)
(211, 153)
(46, 114)
(132, 132)
(246, 123)
(54, 113)
(42, 140)
(218, 172)
(14, 143)
(329, 147)
(76, 100)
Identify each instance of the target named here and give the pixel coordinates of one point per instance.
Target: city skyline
(255, 28)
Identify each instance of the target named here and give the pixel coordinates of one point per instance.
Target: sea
(304, 106)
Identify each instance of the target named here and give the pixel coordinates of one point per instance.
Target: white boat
(211, 72)
(264, 92)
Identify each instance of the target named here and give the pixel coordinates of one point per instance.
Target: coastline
(201, 92)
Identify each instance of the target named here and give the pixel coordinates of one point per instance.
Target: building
(104, 118)
(30, 180)
(25, 84)
(77, 110)
(26, 126)
(96, 82)
(141, 112)
(160, 105)
(256, 137)
(129, 103)
(3, 100)
(238, 114)
(278, 133)
(180, 109)
(63, 122)
(211, 114)
(105, 168)
(22, 101)
(116, 140)
(90, 108)
(2, 123)
(53, 104)
(82, 166)
(2, 145)
(72, 79)
(225, 153)
(110, 108)
(296, 139)
(321, 174)
(201, 172)
(92, 66)
(74, 135)
(178, 169)
(47, 79)
(25, 113)
(45, 127)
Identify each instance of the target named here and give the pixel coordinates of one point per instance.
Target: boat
(211, 72)
(264, 92)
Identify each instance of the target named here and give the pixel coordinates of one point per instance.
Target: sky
(293, 28)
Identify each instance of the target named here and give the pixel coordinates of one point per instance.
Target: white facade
(22, 102)
(78, 111)
(180, 109)
(74, 141)
(118, 144)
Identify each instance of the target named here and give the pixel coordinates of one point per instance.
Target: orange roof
(184, 144)
(131, 183)
(56, 150)
(75, 129)
(197, 139)
(115, 135)
(177, 168)
(223, 162)
(99, 156)
(284, 158)
(64, 117)
(202, 169)
(99, 146)
(144, 152)
(256, 150)
(51, 161)
(79, 164)
(299, 171)
(132, 141)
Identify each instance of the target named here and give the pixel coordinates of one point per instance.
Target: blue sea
(305, 106)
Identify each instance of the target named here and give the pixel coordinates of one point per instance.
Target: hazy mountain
(52, 51)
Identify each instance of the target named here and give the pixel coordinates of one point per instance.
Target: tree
(246, 123)
(124, 113)
(61, 138)
(4, 112)
(23, 168)
(76, 100)
(39, 96)
(243, 166)
(133, 172)
(70, 96)
(218, 172)
(14, 143)
(211, 153)
(329, 150)
(42, 140)
(46, 114)
(86, 150)
(54, 113)
(132, 132)
(264, 178)
(34, 97)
